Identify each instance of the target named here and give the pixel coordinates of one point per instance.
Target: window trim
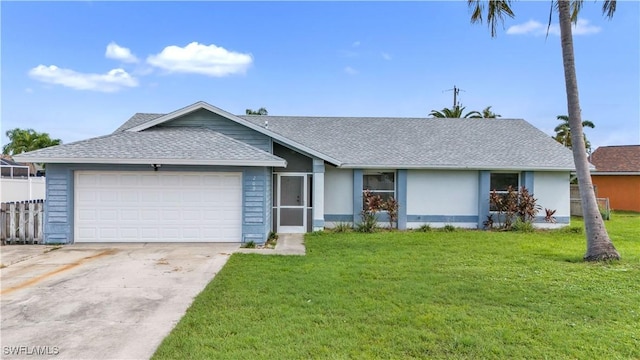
(393, 192)
(519, 174)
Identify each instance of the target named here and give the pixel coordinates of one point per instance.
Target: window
(382, 184)
(500, 182)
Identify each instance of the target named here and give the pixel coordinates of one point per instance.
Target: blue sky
(80, 69)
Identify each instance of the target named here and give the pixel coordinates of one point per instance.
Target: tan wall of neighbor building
(623, 191)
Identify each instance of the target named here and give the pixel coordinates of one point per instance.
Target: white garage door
(157, 207)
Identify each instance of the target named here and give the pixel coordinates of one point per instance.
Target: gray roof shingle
(352, 142)
(163, 145)
(424, 142)
(137, 119)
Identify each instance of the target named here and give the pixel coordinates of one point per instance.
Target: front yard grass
(462, 294)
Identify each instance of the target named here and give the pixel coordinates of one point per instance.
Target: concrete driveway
(105, 301)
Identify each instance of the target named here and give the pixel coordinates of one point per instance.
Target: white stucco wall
(338, 191)
(32, 188)
(441, 192)
(552, 191)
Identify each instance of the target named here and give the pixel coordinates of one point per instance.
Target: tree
(261, 111)
(599, 245)
(454, 113)
(21, 140)
(563, 132)
(488, 114)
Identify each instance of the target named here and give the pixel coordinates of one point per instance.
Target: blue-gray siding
(59, 207)
(205, 118)
(256, 210)
(58, 218)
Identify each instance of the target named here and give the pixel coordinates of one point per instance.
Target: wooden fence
(576, 203)
(21, 222)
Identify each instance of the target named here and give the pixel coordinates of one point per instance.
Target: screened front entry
(292, 203)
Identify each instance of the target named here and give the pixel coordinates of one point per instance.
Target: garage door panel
(170, 181)
(129, 196)
(153, 207)
(108, 233)
(150, 196)
(108, 180)
(108, 196)
(149, 180)
(148, 214)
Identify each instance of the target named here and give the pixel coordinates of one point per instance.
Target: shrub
(372, 205)
(527, 209)
(549, 216)
(522, 226)
(514, 204)
(424, 228)
(488, 224)
(391, 206)
(449, 228)
(342, 227)
(249, 244)
(272, 239)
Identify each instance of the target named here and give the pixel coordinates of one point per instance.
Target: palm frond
(608, 8)
(497, 10)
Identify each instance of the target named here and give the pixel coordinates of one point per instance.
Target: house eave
(452, 167)
(156, 161)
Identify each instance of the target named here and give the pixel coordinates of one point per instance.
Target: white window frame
(504, 192)
(379, 172)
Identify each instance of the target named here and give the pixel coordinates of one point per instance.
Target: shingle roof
(192, 146)
(624, 158)
(424, 142)
(362, 142)
(137, 119)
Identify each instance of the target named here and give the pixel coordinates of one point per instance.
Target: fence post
(3, 223)
(30, 229)
(12, 222)
(22, 222)
(38, 229)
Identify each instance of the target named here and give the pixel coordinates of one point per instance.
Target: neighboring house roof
(375, 142)
(371, 142)
(5, 160)
(175, 146)
(624, 158)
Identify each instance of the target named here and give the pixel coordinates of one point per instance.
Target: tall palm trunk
(599, 246)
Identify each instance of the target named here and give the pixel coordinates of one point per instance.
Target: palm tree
(599, 245)
(563, 132)
(21, 141)
(488, 114)
(455, 113)
(261, 111)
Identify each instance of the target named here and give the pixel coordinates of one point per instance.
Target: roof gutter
(451, 167)
(251, 163)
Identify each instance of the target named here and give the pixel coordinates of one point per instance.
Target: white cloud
(532, 27)
(117, 52)
(198, 58)
(386, 56)
(349, 70)
(112, 81)
(355, 44)
(528, 27)
(583, 28)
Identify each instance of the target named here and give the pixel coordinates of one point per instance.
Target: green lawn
(463, 294)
